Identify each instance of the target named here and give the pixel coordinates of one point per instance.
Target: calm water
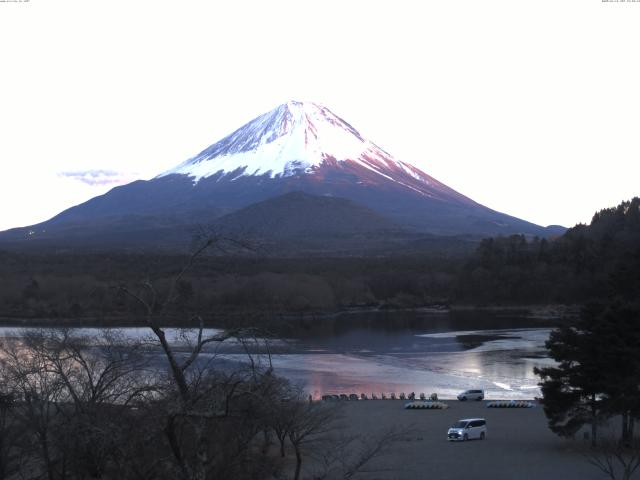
(417, 352)
(397, 352)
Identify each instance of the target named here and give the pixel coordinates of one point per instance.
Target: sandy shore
(519, 444)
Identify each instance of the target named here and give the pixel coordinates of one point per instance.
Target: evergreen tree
(598, 370)
(572, 390)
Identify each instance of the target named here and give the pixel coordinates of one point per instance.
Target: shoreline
(542, 313)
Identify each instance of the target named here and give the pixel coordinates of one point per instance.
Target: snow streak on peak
(292, 139)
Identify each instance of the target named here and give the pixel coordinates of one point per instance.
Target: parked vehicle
(471, 395)
(330, 398)
(468, 429)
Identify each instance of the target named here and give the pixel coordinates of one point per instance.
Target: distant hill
(298, 223)
(300, 214)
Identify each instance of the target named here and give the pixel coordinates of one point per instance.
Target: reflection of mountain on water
(403, 332)
(470, 341)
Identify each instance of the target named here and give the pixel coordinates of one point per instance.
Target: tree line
(598, 260)
(80, 288)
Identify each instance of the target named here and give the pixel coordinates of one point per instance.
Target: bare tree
(616, 459)
(279, 418)
(348, 456)
(308, 423)
(101, 376)
(11, 436)
(214, 416)
(28, 378)
(74, 392)
(197, 396)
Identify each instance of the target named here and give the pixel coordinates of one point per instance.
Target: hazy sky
(529, 107)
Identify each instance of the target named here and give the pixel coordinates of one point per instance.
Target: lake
(403, 351)
(420, 351)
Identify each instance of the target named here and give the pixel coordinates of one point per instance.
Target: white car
(468, 429)
(471, 395)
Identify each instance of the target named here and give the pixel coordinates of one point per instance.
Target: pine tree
(598, 371)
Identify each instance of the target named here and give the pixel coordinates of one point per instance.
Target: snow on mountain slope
(294, 138)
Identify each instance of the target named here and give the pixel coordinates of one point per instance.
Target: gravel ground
(519, 444)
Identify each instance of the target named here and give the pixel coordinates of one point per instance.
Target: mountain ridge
(295, 147)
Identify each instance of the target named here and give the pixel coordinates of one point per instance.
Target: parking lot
(519, 444)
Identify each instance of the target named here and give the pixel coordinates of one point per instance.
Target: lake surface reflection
(416, 351)
(419, 351)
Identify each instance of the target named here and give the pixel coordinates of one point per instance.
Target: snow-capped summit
(294, 138)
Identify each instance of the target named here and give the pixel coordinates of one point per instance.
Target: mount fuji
(236, 183)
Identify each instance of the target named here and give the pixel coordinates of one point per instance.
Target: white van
(471, 395)
(467, 429)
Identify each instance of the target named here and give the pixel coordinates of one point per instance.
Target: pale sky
(530, 107)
